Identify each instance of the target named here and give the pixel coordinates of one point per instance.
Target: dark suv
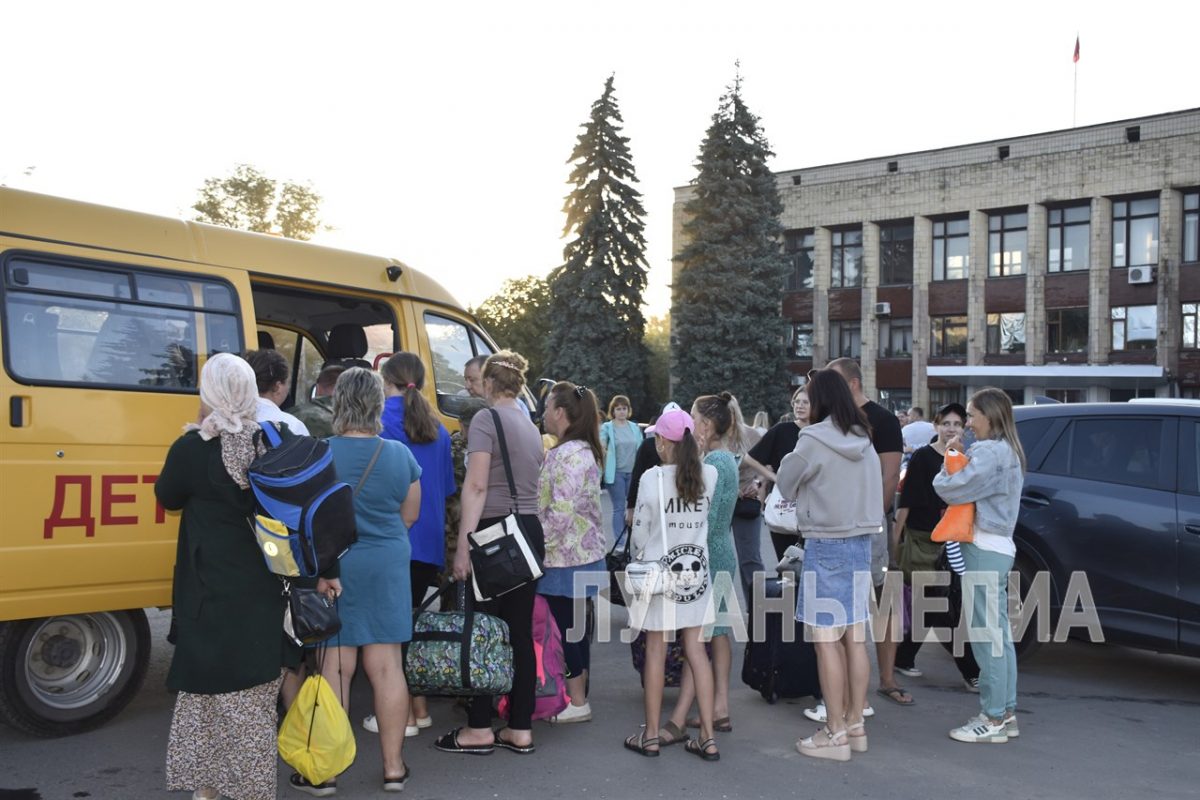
(1113, 491)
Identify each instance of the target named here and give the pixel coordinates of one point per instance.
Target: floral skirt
(226, 741)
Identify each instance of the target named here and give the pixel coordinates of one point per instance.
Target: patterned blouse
(569, 506)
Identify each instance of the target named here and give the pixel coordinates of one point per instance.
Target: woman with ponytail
(670, 525)
(408, 418)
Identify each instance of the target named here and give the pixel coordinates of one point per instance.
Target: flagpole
(1075, 83)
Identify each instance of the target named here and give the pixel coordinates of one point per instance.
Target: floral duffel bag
(459, 653)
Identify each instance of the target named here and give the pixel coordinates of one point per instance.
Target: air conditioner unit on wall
(883, 309)
(1139, 275)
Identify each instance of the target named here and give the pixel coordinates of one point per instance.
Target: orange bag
(958, 523)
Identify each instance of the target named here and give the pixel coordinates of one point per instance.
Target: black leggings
(577, 655)
(516, 609)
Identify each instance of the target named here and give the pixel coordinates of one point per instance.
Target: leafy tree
(516, 317)
(725, 299)
(249, 200)
(596, 321)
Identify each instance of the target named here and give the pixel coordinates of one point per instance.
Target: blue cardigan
(608, 439)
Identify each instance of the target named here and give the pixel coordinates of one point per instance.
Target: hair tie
(580, 391)
(513, 367)
(411, 386)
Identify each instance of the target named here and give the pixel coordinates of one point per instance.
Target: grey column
(1099, 312)
(976, 285)
(1170, 254)
(870, 325)
(822, 275)
(922, 274)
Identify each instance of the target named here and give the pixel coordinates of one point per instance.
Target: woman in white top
(670, 525)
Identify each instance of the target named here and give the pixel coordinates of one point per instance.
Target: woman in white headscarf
(229, 643)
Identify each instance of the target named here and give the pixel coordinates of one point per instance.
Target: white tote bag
(780, 514)
(644, 579)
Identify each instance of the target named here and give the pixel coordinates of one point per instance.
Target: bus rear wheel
(72, 673)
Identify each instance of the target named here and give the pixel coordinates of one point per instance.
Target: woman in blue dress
(376, 605)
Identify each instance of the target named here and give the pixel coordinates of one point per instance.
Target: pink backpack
(551, 692)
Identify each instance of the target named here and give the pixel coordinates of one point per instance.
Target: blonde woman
(991, 480)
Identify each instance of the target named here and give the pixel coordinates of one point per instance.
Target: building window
(1191, 227)
(951, 249)
(1007, 237)
(1070, 238)
(845, 339)
(847, 258)
(1067, 396)
(949, 336)
(895, 338)
(944, 397)
(1135, 232)
(1189, 325)
(1067, 330)
(802, 340)
(896, 253)
(1134, 327)
(1006, 333)
(895, 400)
(799, 246)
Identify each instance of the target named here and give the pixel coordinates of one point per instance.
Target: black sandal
(699, 748)
(513, 746)
(448, 743)
(396, 784)
(673, 732)
(639, 744)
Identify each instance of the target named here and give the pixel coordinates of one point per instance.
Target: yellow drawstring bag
(316, 738)
(958, 523)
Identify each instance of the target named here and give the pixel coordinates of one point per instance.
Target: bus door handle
(16, 411)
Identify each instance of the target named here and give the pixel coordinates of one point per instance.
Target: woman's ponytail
(689, 472)
(406, 372)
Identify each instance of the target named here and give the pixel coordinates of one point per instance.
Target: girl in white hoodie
(834, 477)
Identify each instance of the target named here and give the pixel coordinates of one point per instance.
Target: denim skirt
(835, 585)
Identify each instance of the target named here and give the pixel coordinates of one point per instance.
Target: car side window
(1121, 450)
(1189, 457)
(79, 323)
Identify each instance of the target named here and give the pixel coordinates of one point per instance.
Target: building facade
(1063, 264)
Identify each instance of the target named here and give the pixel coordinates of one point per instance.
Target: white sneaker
(1010, 725)
(910, 672)
(818, 713)
(980, 729)
(371, 724)
(573, 713)
(971, 684)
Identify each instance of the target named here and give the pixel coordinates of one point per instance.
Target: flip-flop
(720, 725)
(895, 694)
(448, 743)
(672, 730)
(516, 748)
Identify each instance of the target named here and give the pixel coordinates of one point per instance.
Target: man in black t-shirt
(888, 440)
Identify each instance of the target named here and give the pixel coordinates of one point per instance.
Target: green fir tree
(596, 321)
(727, 329)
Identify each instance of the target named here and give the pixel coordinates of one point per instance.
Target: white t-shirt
(918, 434)
(269, 412)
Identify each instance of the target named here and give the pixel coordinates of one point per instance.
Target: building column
(1170, 255)
(922, 273)
(1035, 286)
(977, 273)
(1099, 274)
(870, 324)
(822, 276)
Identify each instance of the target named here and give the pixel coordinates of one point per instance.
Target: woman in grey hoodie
(834, 477)
(992, 481)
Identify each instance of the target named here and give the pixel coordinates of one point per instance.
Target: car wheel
(68, 674)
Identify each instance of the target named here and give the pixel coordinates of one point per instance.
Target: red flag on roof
(1076, 58)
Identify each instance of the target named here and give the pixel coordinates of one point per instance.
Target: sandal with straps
(825, 744)
(698, 748)
(674, 734)
(639, 744)
(857, 741)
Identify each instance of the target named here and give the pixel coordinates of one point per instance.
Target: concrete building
(1063, 264)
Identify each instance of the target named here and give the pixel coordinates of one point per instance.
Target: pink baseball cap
(671, 425)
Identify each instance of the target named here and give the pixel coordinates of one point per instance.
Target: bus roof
(40, 217)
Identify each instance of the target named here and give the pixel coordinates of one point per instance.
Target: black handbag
(747, 508)
(502, 557)
(311, 617)
(615, 562)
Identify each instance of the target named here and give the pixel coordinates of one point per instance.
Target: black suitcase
(775, 668)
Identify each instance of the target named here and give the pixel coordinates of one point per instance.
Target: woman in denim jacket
(992, 481)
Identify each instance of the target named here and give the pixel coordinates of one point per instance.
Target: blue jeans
(985, 589)
(618, 492)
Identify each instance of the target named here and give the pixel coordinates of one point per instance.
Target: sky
(438, 133)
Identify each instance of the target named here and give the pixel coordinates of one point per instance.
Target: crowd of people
(688, 492)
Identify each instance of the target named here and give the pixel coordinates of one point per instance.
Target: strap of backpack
(508, 473)
(272, 433)
(370, 466)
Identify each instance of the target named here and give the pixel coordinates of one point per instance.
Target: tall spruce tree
(725, 298)
(596, 321)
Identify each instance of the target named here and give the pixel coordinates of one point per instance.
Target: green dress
(722, 558)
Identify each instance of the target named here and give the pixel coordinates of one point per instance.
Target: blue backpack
(305, 515)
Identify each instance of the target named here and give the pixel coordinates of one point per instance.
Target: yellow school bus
(106, 318)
